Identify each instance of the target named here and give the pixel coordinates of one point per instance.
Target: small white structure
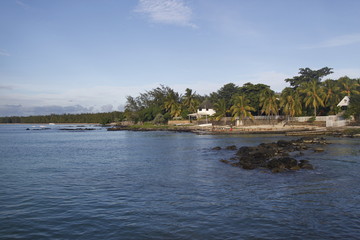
(344, 102)
(205, 112)
(205, 109)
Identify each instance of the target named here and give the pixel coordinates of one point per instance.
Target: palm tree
(348, 86)
(241, 109)
(290, 102)
(190, 101)
(268, 102)
(172, 104)
(314, 95)
(221, 110)
(332, 96)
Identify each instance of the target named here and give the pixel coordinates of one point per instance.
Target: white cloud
(166, 11)
(4, 53)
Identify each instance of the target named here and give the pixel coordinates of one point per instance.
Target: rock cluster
(275, 156)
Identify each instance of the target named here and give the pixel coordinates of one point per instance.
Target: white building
(344, 102)
(205, 109)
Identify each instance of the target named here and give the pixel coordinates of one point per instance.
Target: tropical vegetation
(308, 94)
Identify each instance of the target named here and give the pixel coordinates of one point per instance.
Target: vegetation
(354, 108)
(241, 108)
(102, 118)
(307, 95)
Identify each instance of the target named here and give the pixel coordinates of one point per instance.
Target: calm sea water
(161, 185)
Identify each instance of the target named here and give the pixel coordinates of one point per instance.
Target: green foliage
(241, 108)
(102, 118)
(268, 102)
(227, 92)
(159, 119)
(313, 95)
(354, 107)
(349, 87)
(290, 102)
(308, 75)
(221, 109)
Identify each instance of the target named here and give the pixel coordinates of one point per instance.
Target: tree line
(307, 95)
(102, 118)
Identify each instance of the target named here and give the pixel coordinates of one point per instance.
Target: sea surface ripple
(162, 185)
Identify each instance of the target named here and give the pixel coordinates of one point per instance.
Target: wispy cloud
(6, 87)
(4, 53)
(166, 11)
(22, 4)
(339, 41)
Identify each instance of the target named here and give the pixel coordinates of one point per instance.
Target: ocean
(66, 184)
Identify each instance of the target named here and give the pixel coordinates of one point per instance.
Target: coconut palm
(221, 110)
(313, 95)
(290, 102)
(268, 102)
(172, 104)
(190, 101)
(348, 86)
(241, 108)
(332, 94)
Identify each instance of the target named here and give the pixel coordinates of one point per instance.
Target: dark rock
(274, 156)
(243, 150)
(283, 143)
(286, 162)
(232, 147)
(216, 148)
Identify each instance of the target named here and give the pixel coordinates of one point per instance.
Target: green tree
(190, 101)
(268, 102)
(332, 94)
(252, 93)
(226, 92)
(348, 87)
(313, 95)
(221, 110)
(307, 75)
(354, 107)
(172, 104)
(290, 102)
(241, 108)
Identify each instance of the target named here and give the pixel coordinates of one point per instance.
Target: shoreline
(347, 131)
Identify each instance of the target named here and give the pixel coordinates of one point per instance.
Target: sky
(74, 56)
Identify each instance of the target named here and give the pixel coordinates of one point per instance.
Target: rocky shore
(275, 156)
(353, 131)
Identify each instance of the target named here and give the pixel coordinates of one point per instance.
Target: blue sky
(88, 55)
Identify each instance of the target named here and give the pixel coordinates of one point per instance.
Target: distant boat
(51, 123)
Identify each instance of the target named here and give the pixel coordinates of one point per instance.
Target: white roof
(344, 102)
